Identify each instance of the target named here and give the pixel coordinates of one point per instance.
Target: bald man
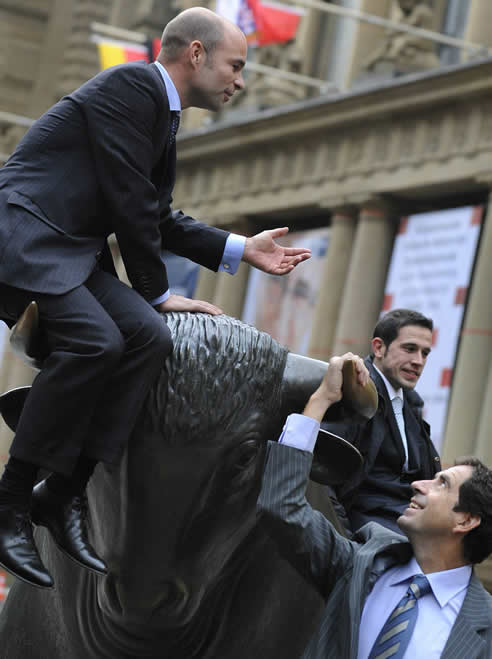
(102, 161)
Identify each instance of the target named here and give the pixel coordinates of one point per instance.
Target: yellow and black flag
(114, 51)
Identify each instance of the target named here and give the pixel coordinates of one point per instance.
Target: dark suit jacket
(98, 162)
(381, 490)
(344, 571)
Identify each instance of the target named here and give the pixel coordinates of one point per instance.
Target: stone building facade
(403, 126)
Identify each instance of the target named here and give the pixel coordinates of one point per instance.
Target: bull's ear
(25, 337)
(11, 404)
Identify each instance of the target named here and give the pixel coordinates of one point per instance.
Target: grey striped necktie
(397, 405)
(397, 631)
(173, 128)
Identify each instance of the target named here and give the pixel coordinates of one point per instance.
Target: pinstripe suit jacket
(98, 162)
(344, 571)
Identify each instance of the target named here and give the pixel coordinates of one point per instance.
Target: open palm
(262, 252)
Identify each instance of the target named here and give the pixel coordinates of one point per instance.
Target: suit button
(98, 255)
(227, 266)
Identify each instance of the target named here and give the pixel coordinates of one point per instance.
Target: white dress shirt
(392, 394)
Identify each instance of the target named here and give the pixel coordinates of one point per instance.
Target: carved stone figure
(192, 573)
(401, 52)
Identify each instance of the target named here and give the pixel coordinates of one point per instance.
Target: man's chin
(402, 520)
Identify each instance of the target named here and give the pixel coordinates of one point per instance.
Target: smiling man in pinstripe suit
(448, 525)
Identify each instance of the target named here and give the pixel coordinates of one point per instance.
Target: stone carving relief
(265, 91)
(400, 52)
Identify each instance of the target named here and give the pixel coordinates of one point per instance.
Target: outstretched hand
(180, 303)
(262, 252)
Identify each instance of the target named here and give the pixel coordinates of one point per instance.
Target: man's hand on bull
(180, 303)
(330, 389)
(264, 253)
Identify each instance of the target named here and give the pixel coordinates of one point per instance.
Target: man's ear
(466, 522)
(378, 347)
(197, 52)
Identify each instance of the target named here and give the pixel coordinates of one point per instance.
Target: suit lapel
(389, 416)
(465, 639)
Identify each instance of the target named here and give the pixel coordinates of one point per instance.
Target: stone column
(364, 287)
(474, 357)
(333, 279)
(366, 37)
(231, 290)
(479, 24)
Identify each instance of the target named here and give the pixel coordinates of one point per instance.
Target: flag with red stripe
(263, 22)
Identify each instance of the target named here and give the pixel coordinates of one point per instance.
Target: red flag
(275, 22)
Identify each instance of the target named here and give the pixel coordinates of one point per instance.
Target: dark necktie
(397, 631)
(173, 129)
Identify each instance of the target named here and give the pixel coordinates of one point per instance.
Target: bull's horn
(302, 375)
(24, 337)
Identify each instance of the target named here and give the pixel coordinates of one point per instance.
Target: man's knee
(112, 347)
(161, 340)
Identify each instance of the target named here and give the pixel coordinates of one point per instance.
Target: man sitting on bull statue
(103, 161)
(386, 595)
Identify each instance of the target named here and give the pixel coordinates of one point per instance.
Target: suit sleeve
(121, 115)
(185, 236)
(303, 535)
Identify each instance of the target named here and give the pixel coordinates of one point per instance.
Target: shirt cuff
(160, 299)
(233, 253)
(300, 432)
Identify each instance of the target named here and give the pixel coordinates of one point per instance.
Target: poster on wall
(284, 306)
(430, 272)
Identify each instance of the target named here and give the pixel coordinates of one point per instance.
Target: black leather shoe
(65, 519)
(18, 553)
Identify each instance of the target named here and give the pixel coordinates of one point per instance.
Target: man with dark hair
(102, 161)
(386, 595)
(395, 443)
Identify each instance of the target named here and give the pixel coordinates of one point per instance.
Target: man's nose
(419, 486)
(239, 82)
(418, 358)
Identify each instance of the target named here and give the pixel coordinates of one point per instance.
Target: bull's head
(176, 521)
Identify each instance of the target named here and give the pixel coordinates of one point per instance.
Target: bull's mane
(229, 360)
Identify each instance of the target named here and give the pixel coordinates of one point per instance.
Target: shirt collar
(445, 584)
(172, 92)
(392, 392)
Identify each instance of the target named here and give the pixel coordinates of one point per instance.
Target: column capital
(376, 205)
(344, 212)
(360, 201)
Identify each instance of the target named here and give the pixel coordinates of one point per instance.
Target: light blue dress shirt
(234, 247)
(437, 611)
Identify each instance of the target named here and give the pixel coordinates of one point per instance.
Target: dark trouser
(106, 347)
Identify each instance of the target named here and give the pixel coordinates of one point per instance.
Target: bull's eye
(241, 466)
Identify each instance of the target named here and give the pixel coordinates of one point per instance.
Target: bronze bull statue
(192, 573)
